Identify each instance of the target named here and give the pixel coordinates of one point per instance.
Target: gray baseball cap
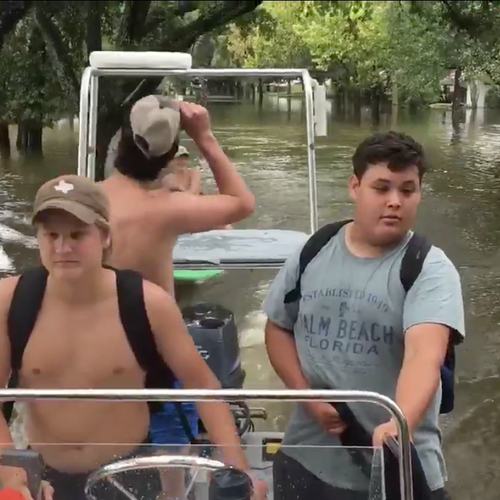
(157, 120)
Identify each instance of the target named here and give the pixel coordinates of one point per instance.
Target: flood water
(460, 212)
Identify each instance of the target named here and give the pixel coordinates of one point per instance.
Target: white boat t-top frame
(228, 249)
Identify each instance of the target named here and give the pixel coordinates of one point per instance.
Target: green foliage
(363, 45)
(46, 45)
(371, 44)
(265, 40)
(418, 53)
(29, 88)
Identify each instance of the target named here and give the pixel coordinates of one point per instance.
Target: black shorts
(143, 484)
(292, 481)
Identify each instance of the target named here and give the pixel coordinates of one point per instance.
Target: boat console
(207, 477)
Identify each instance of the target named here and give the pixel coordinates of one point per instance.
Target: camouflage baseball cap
(156, 120)
(75, 194)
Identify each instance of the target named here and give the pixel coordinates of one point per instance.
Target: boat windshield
(111, 456)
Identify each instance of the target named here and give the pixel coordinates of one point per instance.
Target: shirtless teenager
(80, 340)
(147, 222)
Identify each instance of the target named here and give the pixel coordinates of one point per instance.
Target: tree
(71, 31)
(31, 94)
(11, 12)
(365, 46)
(418, 51)
(157, 26)
(476, 29)
(269, 39)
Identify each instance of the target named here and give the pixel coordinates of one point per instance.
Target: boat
(212, 326)
(205, 469)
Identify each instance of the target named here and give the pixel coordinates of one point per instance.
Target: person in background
(146, 221)
(178, 175)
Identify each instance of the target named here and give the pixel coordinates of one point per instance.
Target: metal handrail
(230, 395)
(89, 103)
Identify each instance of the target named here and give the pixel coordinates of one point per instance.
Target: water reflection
(459, 213)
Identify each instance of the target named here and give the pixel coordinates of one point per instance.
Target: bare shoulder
(158, 302)
(7, 287)
(164, 195)
(163, 313)
(153, 293)
(166, 206)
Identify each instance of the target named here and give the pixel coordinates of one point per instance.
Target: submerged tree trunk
(356, 103)
(376, 102)
(29, 138)
(339, 99)
(4, 140)
(261, 92)
(456, 90)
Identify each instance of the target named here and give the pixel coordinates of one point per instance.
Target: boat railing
(228, 395)
(165, 64)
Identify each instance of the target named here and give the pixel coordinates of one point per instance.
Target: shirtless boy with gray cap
(147, 222)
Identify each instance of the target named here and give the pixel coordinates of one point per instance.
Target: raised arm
(194, 184)
(190, 213)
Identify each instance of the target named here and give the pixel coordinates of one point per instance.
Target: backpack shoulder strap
(312, 247)
(135, 321)
(24, 308)
(23, 311)
(413, 260)
(134, 318)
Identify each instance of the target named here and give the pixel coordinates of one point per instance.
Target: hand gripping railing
(231, 395)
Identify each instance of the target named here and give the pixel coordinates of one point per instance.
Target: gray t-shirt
(349, 331)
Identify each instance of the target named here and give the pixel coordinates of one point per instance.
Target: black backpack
(411, 266)
(25, 306)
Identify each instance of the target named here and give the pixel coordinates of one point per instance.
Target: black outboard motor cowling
(230, 484)
(214, 332)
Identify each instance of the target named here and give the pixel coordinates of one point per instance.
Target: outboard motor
(230, 484)
(215, 335)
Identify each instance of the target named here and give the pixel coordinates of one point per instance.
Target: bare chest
(84, 348)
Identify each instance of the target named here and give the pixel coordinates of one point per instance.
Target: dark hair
(399, 151)
(132, 162)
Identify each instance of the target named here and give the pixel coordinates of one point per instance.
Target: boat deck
(237, 249)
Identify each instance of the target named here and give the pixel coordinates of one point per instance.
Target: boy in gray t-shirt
(354, 327)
